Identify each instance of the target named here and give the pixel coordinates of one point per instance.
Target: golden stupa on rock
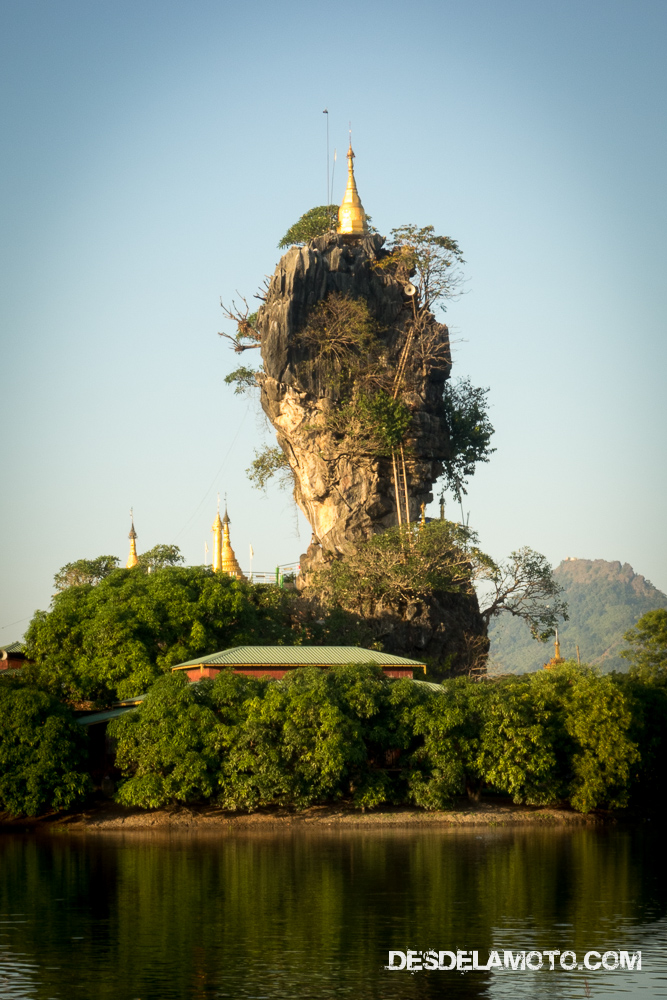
(224, 560)
(132, 559)
(351, 216)
(556, 659)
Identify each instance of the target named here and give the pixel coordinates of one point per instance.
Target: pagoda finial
(216, 528)
(132, 559)
(351, 215)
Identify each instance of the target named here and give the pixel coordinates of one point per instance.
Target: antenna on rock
(326, 112)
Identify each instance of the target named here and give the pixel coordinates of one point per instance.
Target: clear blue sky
(155, 152)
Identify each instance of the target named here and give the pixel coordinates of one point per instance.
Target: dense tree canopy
(112, 640)
(564, 735)
(648, 643)
(43, 752)
(83, 571)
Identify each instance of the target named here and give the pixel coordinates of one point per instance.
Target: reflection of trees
(286, 915)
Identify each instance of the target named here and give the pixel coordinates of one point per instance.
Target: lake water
(314, 914)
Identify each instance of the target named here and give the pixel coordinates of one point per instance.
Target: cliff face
(347, 487)
(344, 489)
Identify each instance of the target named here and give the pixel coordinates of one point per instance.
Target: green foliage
(376, 420)
(42, 752)
(346, 358)
(113, 640)
(342, 342)
(169, 745)
(648, 642)
(159, 557)
(563, 735)
(428, 260)
(84, 571)
(465, 414)
(646, 691)
(313, 737)
(316, 222)
(243, 379)
(267, 463)
(604, 600)
(524, 587)
(397, 568)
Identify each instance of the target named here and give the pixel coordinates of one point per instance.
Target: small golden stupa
(556, 658)
(132, 559)
(224, 560)
(351, 216)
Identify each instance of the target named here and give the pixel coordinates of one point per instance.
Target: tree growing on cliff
(524, 587)
(391, 571)
(465, 412)
(316, 222)
(267, 463)
(419, 253)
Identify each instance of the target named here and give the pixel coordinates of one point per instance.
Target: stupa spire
(229, 561)
(351, 215)
(216, 528)
(132, 559)
(224, 560)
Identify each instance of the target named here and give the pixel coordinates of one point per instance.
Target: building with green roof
(276, 661)
(12, 656)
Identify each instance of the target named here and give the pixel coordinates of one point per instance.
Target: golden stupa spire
(556, 658)
(229, 562)
(132, 559)
(216, 528)
(224, 560)
(351, 215)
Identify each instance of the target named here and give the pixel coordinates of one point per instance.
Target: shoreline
(108, 816)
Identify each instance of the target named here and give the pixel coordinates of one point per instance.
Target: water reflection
(308, 914)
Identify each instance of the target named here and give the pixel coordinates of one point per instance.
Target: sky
(153, 155)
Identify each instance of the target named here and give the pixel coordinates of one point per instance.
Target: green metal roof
(297, 656)
(129, 701)
(431, 685)
(113, 713)
(12, 647)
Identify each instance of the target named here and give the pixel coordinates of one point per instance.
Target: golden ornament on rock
(351, 216)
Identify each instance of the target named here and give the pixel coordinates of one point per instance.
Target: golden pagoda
(556, 658)
(132, 559)
(224, 560)
(351, 215)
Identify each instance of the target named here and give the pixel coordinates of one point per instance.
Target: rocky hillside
(605, 599)
(353, 375)
(342, 485)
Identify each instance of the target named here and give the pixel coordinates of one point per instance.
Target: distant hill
(605, 599)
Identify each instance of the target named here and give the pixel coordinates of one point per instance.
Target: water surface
(314, 914)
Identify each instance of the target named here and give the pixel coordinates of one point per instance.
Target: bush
(42, 752)
(566, 735)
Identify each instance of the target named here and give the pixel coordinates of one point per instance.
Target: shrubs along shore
(350, 737)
